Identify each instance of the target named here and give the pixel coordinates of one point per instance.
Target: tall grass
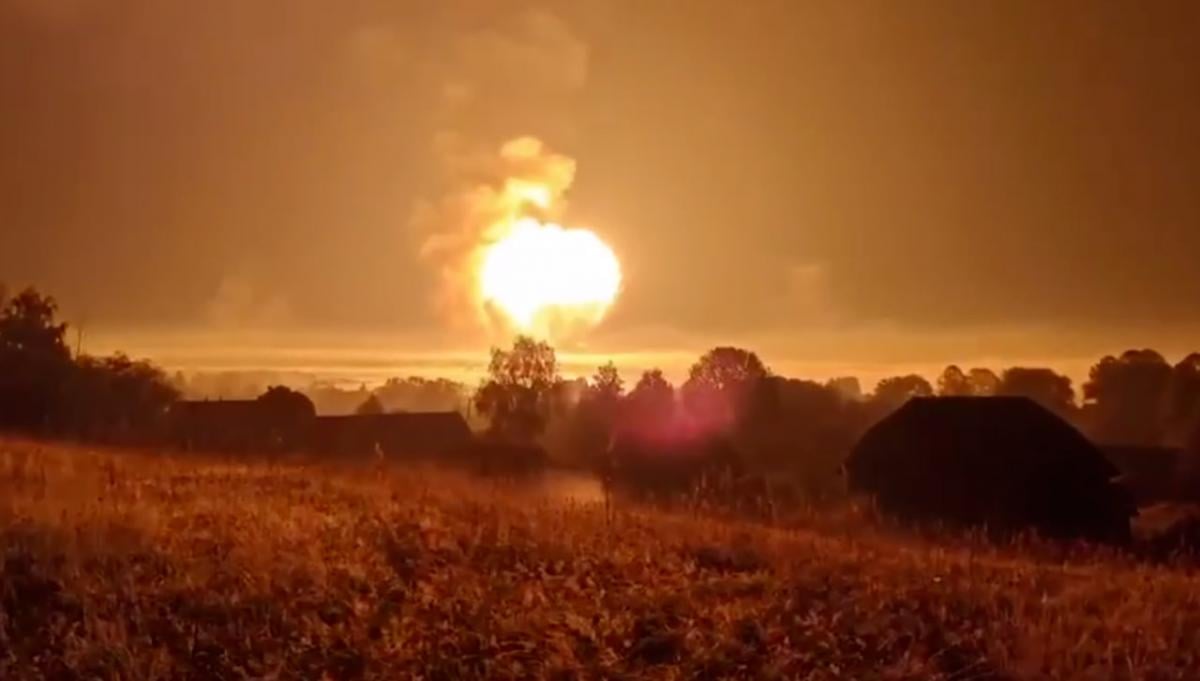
(134, 566)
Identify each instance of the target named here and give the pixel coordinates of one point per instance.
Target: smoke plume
(504, 90)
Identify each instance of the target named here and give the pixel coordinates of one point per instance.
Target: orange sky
(858, 186)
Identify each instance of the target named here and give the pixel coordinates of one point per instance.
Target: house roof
(1007, 434)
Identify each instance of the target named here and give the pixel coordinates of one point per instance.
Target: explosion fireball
(506, 249)
(545, 270)
(541, 277)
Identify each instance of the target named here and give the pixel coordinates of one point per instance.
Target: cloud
(509, 75)
(534, 48)
(521, 178)
(239, 304)
(503, 87)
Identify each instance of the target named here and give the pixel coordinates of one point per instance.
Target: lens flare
(541, 270)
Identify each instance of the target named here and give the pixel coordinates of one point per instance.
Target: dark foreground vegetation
(139, 565)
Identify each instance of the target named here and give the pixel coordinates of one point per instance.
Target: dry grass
(122, 565)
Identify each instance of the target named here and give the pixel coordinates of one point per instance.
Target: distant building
(255, 426)
(1001, 462)
(218, 425)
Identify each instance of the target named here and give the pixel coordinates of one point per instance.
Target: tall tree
(600, 401)
(722, 386)
(954, 383)
(288, 416)
(651, 402)
(416, 393)
(1044, 386)
(984, 382)
(517, 393)
(1130, 395)
(34, 361)
(28, 325)
(894, 391)
(607, 384)
(849, 388)
(116, 399)
(1183, 399)
(596, 415)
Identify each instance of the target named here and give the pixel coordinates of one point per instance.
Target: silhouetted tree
(801, 429)
(116, 399)
(416, 393)
(34, 361)
(517, 393)
(891, 393)
(651, 402)
(27, 324)
(1130, 395)
(809, 401)
(370, 406)
(1044, 386)
(596, 414)
(954, 383)
(1183, 399)
(289, 416)
(849, 388)
(287, 404)
(984, 382)
(722, 386)
(607, 384)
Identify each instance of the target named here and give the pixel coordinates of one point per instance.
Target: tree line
(805, 428)
(787, 424)
(46, 390)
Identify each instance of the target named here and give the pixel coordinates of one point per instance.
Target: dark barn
(398, 436)
(1001, 462)
(273, 423)
(234, 426)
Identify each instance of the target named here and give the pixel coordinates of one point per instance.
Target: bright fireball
(539, 269)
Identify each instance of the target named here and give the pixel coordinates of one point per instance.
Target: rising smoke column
(504, 89)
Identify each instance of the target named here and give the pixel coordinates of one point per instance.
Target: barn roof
(999, 462)
(1013, 431)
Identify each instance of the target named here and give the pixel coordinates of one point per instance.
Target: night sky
(850, 184)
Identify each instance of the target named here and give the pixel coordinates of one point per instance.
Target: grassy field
(130, 566)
